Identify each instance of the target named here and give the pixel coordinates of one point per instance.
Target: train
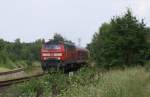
(62, 55)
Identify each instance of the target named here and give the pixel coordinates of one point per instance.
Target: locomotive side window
(70, 51)
(69, 47)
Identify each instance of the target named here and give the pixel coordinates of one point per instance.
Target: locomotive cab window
(51, 46)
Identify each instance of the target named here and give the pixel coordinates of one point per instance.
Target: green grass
(3, 69)
(127, 83)
(131, 82)
(20, 64)
(9, 64)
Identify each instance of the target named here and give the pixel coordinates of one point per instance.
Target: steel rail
(12, 71)
(18, 80)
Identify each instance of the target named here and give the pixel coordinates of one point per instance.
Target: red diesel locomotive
(62, 55)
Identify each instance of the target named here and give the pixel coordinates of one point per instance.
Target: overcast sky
(33, 19)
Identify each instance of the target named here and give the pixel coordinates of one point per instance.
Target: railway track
(18, 80)
(16, 76)
(12, 71)
(5, 83)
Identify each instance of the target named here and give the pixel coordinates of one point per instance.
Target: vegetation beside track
(122, 42)
(87, 82)
(16, 54)
(2, 69)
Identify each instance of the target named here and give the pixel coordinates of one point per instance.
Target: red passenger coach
(62, 55)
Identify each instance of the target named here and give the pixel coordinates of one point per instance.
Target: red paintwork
(46, 51)
(72, 55)
(81, 54)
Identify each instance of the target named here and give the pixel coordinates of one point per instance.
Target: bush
(122, 42)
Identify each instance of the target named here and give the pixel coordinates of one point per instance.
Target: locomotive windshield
(51, 46)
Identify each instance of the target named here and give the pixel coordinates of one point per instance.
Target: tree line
(12, 52)
(124, 41)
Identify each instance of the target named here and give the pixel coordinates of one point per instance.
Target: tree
(58, 37)
(120, 42)
(11, 52)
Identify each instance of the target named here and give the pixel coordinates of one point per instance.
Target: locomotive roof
(66, 43)
(60, 42)
(81, 48)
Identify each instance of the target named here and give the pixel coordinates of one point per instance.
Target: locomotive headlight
(57, 54)
(58, 58)
(46, 54)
